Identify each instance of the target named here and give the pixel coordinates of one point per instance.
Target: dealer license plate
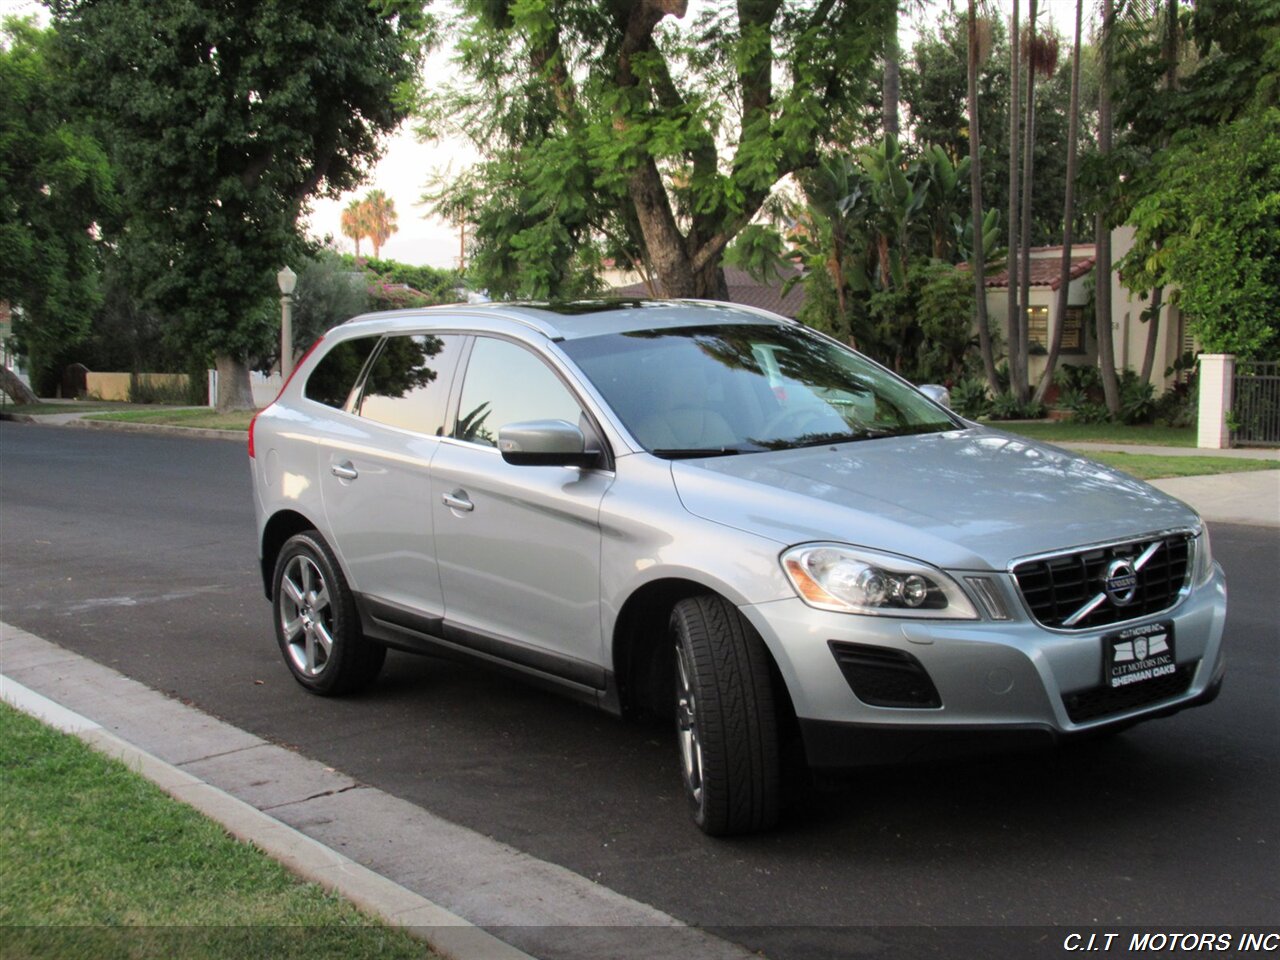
(1138, 654)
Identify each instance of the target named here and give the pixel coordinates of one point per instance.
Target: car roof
(571, 320)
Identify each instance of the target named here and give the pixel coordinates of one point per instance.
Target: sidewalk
(468, 896)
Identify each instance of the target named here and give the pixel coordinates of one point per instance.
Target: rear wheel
(317, 626)
(726, 720)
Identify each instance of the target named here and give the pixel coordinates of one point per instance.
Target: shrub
(969, 398)
(1008, 407)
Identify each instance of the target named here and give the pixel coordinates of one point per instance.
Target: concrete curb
(239, 436)
(403, 862)
(445, 932)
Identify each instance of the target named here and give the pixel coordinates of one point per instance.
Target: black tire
(726, 718)
(310, 602)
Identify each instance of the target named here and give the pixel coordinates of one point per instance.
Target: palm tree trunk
(892, 58)
(1028, 170)
(975, 208)
(1015, 90)
(1102, 230)
(1068, 217)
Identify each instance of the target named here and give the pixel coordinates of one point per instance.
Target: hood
(967, 499)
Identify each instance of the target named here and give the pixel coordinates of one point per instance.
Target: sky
(408, 165)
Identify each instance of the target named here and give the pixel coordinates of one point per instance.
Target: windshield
(741, 388)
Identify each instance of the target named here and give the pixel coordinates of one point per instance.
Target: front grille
(884, 677)
(1057, 589)
(1103, 701)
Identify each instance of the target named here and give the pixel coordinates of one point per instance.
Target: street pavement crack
(314, 796)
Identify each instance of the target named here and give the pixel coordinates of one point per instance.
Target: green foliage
(600, 128)
(1007, 406)
(969, 398)
(227, 118)
(440, 286)
(145, 389)
(55, 182)
(1211, 229)
(934, 91)
(1137, 399)
(328, 292)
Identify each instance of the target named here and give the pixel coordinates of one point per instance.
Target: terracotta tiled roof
(744, 290)
(1046, 271)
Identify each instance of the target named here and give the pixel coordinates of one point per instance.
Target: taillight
(253, 421)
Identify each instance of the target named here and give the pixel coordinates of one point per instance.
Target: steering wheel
(796, 418)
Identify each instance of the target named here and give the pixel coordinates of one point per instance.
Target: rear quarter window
(335, 375)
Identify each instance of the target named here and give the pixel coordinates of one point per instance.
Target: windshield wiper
(690, 453)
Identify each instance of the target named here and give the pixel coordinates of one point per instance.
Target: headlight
(1203, 558)
(852, 580)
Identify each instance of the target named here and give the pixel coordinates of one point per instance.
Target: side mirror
(937, 393)
(545, 443)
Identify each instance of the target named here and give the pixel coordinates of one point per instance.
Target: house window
(1038, 328)
(1072, 329)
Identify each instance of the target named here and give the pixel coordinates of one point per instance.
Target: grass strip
(96, 861)
(1065, 431)
(208, 419)
(79, 406)
(1147, 466)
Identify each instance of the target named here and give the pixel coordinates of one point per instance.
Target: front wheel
(317, 626)
(726, 720)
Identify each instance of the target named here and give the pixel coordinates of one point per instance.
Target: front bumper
(1001, 685)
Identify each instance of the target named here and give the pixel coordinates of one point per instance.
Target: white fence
(264, 386)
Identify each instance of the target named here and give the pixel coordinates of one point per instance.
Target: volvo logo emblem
(1120, 582)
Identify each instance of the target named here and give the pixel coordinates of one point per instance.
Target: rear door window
(408, 384)
(335, 375)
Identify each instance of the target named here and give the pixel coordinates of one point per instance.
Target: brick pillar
(1217, 380)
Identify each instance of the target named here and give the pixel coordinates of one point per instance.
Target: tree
(1068, 216)
(354, 223)
(608, 121)
(978, 261)
(1102, 230)
(1212, 232)
(55, 182)
(380, 218)
(228, 116)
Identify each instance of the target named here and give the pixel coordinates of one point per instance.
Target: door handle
(344, 471)
(458, 500)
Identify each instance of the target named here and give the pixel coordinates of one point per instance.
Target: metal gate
(1255, 407)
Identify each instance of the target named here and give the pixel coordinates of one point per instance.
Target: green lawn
(1064, 431)
(1148, 467)
(202, 417)
(90, 852)
(79, 406)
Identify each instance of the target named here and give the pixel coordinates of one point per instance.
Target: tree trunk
(1102, 230)
(1028, 172)
(892, 58)
(1153, 333)
(1068, 216)
(234, 392)
(15, 388)
(975, 208)
(1015, 93)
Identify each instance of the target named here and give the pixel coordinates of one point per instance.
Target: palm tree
(975, 204)
(380, 213)
(1041, 56)
(1017, 315)
(1068, 215)
(354, 223)
(1102, 230)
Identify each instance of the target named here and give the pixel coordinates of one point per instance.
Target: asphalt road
(138, 551)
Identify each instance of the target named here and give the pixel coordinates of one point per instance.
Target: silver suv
(712, 513)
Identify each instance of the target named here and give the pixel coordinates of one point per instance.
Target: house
(1078, 343)
(1130, 332)
(743, 289)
